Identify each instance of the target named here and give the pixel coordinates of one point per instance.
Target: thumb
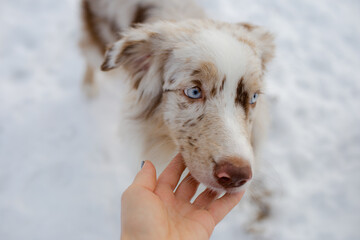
(146, 177)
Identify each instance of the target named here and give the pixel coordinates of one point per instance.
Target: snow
(64, 162)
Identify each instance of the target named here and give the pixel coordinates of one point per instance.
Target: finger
(187, 188)
(172, 173)
(146, 177)
(205, 198)
(222, 206)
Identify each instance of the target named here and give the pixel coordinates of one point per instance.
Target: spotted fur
(242, 97)
(165, 51)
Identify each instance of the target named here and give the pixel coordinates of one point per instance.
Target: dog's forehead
(210, 55)
(217, 52)
(229, 55)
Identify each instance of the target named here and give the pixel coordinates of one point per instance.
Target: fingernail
(142, 163)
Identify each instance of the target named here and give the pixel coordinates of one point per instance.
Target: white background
(64, 162)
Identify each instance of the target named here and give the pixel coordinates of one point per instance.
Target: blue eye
(254, 98)
(194, 92)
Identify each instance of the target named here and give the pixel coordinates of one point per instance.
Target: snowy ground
(63, 166)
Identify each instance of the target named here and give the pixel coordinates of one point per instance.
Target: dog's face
(205, 80)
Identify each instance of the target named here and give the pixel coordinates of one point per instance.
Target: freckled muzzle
(229, 175)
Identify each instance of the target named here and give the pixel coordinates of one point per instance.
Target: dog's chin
(214, 186)
(227, 190)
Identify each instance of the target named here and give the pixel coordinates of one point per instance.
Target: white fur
(164, 55)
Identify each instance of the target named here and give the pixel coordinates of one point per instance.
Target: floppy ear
(264, 42)
(139, 53)
(130, 51)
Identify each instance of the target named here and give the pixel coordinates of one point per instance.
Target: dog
(197, 84)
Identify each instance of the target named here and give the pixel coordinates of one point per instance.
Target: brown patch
(187, 122)
(248, 42)
(130, 48)
(206, 72)
(137, 83)
(192, 139)
(89, 76)
(105, 65)
(196, 83)
(222, 84)
(141, 94)
(151, 108)
(156, 101)
(93, 24)
(201, 117)
(135, 57)
(242, 97)
(195, 72)
(90, 21)
(142, 13)
(248, 26)
(172, 81)
(253, 105)
(183, 106)
(264, 213)
(269, 49)
(129, 57)
(213, 92)
(163, 58)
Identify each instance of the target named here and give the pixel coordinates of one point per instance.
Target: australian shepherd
(198, 83)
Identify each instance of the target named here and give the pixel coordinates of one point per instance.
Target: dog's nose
(229, 176)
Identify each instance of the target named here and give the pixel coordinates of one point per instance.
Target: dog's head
(205, 78)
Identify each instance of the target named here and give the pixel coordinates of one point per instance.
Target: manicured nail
(142, 163)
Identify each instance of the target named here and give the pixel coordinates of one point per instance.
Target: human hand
(152, 210)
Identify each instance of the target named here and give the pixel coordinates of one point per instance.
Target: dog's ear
(263, 39)
(133, 52)
(140, 54)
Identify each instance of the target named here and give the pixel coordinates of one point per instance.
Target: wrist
(125, 236)
(132, 236)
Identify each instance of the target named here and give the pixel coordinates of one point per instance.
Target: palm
(162, 213)
(186, 219)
